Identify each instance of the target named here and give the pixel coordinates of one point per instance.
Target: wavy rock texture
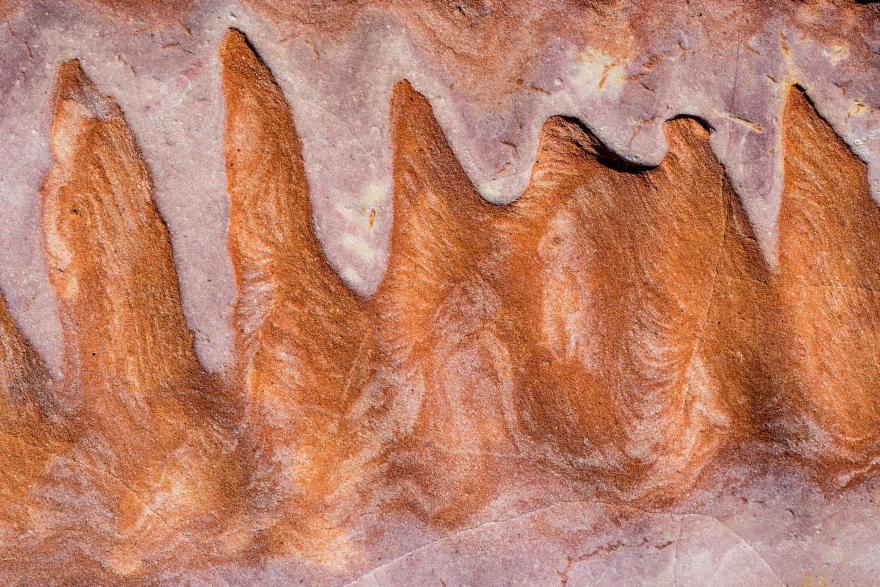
(603, 382)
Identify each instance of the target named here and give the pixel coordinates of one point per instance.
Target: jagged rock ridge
(614, 335)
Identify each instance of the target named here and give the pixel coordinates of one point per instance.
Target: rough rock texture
(648, 358)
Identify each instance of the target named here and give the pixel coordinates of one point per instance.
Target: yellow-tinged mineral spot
(597, 72)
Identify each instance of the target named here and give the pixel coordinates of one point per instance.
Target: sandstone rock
(579, 293)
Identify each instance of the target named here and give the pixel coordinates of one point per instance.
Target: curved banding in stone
(613, 340)
(622, 72)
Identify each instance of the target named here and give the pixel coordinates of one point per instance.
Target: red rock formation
(304, 346)
(794, 345)
(616, 333)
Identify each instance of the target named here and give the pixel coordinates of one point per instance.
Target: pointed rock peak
(440, 223)
(268, 190)
(243, 72)
(801, 116)
(256, 110)
(108, 250)
(424, 164)
(235, 49)
(828, 222)
(405, 95)
(797, 101)
(76, 105)
(275, 253)
(22, 373)
(73, 85)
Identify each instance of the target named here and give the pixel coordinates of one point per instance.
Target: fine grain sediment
(616, 334)
(493, 73)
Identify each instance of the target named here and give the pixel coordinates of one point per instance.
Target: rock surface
(621, 329)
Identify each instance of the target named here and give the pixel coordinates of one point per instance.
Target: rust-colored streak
(793, 349)
(615, 284)
(437, 312)
(128, 351)
(27, 401)
(829, 288)
(304, 347)
(139, 475)
(119, 299)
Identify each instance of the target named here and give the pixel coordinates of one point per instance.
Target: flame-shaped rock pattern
(615, 338)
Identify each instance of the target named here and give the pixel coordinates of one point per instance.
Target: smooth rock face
(382, 293)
